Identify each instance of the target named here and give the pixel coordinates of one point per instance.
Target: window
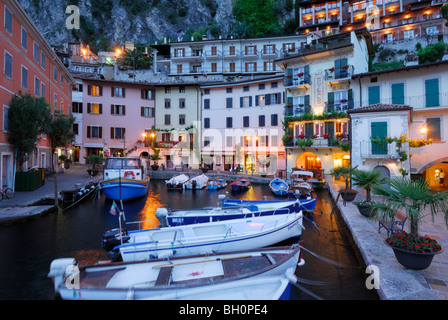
(24, 41)
(232, 50)
(55, 74)
(246, 88)
(260, 100)
(431, 30)
(232, 67)
(434, 132)
(94, 132)
(408, 34)
(24, 78)
(182, 89)
(246, 101)
(206, 91)
(76, 107)
(42, 90)
(42, 60)
(229, 122)
(269, 48)
(374, 95)
(181, 119)
(250, 50)
(397, 93)
(118, 109)
(167, 103)
(214, 67)
(269, 66)
(146, 94)
(8, 20)
(206, 123)
(274, 84)
(179, 69)
(55, 100)
(36, 52)
(214, 51)
(251, 66)
(118, 92)
(229, 103)
(432, 92)
(117, 133)
(229, 90)
(182, 103)
(36, 87)
(5, 118)
(206, 103)
(261, 86)
(276, 98)
(246, 121)
(274, 119)
(76, 128)
(147, 112)
(167, 89)
(167, 119)
(95, 90)
(94, 108)
(8, 65)
(261, 121)
(179, 52)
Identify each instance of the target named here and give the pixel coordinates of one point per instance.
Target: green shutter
(306, 76)
(398, 93)
(433, 125)
(374, 95)
(350, 98)
(307, 103)
(308, 129)
(288, 77)
(432, 92)
(379, 130)
(329, 128)
(330, 102)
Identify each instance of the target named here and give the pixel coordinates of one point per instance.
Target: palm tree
(346, 173)
(411, 198)
(366, 180)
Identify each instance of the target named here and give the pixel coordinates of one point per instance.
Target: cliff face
(116, 21)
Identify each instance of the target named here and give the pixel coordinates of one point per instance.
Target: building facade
(242, 125)
(421, 88)
(29, 65)
(117, 118)
(319, 92)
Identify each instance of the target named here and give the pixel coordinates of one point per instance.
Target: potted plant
(366, 180)
(94, 161)
(155, 157)
(348, 194)
(411, 198)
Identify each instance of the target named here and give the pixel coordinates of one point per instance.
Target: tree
(27, 119)
(260, 15)
(134, 59)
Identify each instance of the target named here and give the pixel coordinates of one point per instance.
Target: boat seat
(164, 276)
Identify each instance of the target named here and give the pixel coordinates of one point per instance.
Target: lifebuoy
(129, 173)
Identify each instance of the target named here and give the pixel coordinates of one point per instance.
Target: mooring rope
(340, 265)
(84, 196)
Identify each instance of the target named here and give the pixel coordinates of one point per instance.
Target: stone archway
(308, 161)
(430, 164)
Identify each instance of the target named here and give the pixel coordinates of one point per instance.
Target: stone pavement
(24, 203)
(396, 282)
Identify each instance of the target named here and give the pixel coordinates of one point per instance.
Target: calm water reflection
(27, 249)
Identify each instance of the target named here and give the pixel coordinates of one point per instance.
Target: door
(379, 130)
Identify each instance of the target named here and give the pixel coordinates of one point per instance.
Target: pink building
(116, 117)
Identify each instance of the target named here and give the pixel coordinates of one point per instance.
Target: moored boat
(125, 178)
(177, 182)
(279, 187)
(196, 183)
(169, 279)
(304, 204)
(218, 236)
(241, 184)
(217, 184)
(204, 215)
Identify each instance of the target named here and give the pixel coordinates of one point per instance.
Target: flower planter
(154, 167)
(364, 210)
(348, 196)
(413, 260)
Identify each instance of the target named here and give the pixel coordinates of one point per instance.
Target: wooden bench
(393, 226)
(180, 167)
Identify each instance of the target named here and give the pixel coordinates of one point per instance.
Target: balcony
(370, 150)
(339, 75)
(339, 106)
(296, 110)
(300, 81)
(313, 142)
(193, 56)
(212, 55)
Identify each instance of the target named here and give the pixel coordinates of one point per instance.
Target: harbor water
(332, 270)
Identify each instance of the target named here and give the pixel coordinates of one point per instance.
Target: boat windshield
(122, 163)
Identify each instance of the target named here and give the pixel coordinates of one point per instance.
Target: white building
(424, 89)
(242, 125)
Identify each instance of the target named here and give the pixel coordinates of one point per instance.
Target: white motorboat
(219, 236)
(196, 183)
(229, 276)
(177, 182)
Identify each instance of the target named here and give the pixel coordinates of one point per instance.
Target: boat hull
(244, 234)
(261, 275)
(124, 189)
(305, 204)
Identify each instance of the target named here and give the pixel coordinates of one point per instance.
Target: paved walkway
(396, 282)
(22, 205)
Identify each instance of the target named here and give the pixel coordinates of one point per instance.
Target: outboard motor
(162, 214)
(194, 183)
(112, 238)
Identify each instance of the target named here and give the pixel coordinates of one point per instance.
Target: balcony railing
(296, 110)
(370, 150)
(303, 80)
(339, 106)
(339, 74)
(319, 142)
